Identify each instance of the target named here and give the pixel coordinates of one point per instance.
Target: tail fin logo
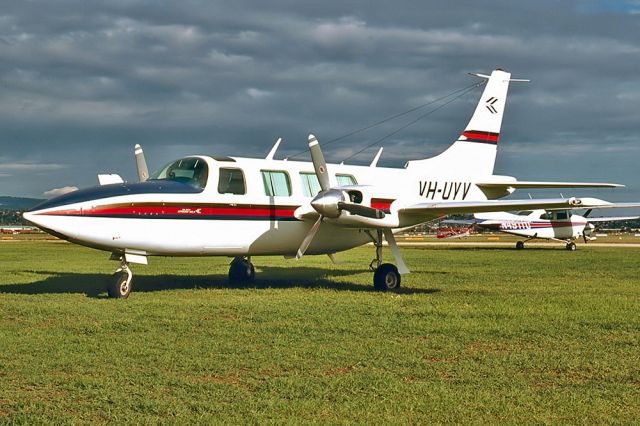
(489, 104)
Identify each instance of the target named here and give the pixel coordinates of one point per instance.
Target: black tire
(520, 245)
(571, 246)
(241, 271)
(386, 277)
(118, 287)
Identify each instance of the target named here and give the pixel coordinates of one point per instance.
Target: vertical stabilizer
(474, 152)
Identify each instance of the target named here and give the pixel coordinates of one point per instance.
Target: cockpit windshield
(191, 170)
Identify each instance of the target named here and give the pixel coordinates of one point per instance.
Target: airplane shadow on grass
(268, 277)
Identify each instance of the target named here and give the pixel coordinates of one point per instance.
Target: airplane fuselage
(569, 227)
(163, 217)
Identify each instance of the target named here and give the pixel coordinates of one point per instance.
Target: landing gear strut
(520, 244)
(241, 271)
(385, 275)
(120, 285)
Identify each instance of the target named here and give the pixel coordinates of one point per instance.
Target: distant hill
(17, 203)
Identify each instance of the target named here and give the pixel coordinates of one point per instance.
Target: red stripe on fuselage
(177, 211)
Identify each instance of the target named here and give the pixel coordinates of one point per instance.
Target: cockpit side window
(191, 170)
(231, 181)
(561, 216)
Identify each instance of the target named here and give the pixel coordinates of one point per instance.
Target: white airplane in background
(243, 207)
(558, 225)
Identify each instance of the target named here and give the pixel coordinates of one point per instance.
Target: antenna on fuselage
(374, 163)
(273, 150)
(141, 163)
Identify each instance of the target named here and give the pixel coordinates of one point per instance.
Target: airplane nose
(28, 216)
(33, 218)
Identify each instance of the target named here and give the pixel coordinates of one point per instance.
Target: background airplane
(557, 225)
(243, 207)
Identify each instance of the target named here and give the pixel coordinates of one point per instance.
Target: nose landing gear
(120, 285)
(241, 271)
(386, 275)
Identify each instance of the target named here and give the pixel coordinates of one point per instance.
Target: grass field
(475, 335)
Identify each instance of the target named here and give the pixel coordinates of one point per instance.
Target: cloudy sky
(82, 82)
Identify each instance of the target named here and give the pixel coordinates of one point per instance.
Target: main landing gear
(385, 275)
(120, 285)
(520, 244)
(241, 271)
(571, 246)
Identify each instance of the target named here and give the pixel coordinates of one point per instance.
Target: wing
(466, 222)
(594, 203)
(611, 219)
(426, 211)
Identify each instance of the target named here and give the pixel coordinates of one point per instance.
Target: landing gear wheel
(241, 271)
(571, 246)
(520, 245)
(386, 277)
(120, 284)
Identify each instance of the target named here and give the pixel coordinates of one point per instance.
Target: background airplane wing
(465, 222)
(434, 209)
(594, 203)
(611, 219)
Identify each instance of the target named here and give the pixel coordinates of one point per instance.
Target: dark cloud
(82, 82)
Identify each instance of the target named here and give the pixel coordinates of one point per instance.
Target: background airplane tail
(474, 152)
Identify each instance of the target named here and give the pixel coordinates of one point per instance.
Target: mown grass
(475, 336)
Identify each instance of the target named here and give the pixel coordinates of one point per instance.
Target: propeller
(587, 231)
(330, 202)
(141, 164)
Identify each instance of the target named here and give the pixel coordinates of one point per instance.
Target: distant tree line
(11, 217)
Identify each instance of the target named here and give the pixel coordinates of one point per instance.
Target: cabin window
(545, 216)
(231, 181)
(345, 180)
(193, 171)
(276, 183)
(561, 215)
(310, 184)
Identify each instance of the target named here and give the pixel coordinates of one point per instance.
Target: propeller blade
(307, 240)
(361, 210)
(318, 163)
(141, 164)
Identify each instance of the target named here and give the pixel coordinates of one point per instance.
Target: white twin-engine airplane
(244, 207)
(558, 225)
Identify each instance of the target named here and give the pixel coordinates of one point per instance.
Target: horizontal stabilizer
(535, 184)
